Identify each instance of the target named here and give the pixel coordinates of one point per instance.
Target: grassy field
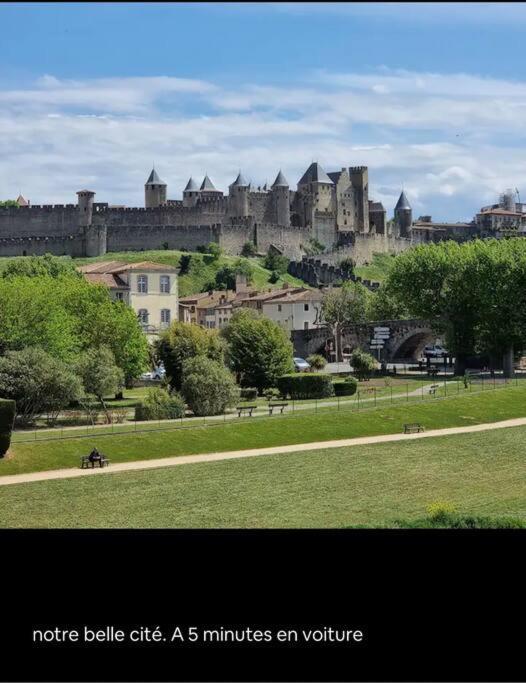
(377, 485)
(301, 427)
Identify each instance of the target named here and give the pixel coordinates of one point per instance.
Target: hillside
(377, 270)
(201, 269)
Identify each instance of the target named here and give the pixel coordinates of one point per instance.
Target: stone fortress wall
(333, 209)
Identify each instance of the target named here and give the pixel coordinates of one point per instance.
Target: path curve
(231, 455)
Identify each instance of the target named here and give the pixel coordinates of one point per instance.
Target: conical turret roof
(315, 174)
(208, 185)
(239, 181)
(280, 181)
(191, 186)
(154, 179)
(402, 203)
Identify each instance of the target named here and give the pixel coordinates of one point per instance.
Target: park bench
(86, 462)
(413, 427)
(271, 407)
(433, 388)
(245, 409)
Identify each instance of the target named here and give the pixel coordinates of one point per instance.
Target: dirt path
(230, 455)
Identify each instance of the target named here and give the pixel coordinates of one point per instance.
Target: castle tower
(208, 190)
(403, 215)
(281, 200)
(154, 191)
(238, 193)
(94, 236)
(190, 193)
(359, 176)
(315, 195)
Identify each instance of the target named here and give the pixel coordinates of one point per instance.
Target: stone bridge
(407, 339)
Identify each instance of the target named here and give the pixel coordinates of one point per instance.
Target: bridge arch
(410, 344)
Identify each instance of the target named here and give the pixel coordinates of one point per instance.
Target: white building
(151, 289)
(294, 308)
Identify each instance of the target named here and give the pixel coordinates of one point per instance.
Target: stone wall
(70, 245)
(38, 221)
(142, 237)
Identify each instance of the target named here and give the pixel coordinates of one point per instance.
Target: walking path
(230, 455)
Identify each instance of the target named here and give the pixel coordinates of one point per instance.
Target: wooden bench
(85, 462)
(413, 427)
(271, 407)
(245, 409)
(433, 388)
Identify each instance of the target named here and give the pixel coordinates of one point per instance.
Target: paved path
(231, 455)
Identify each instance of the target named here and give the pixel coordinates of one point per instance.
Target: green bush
(300, 386)
(346, 388)
(249, 249)
(316, 361)
(7, 418)
(160, 405)
(208, 386)
(363, 364)
(271, 393)
(249, 393)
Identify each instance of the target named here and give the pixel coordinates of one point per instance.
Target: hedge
(159, 405)
(249, 393)
(7, 418)
(308, 385)
(346, 388)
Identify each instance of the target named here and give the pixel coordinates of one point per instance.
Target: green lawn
(377, 270)
(483, 474)
(301, 427)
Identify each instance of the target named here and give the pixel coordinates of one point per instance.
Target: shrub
(249, 393)
(363, 364)
(160, 405)
(271, 393)
(7, 418)
(38, 383)
(273, 277)
(316, 361)
(346, 388)
(440, 510)
(249, 249)
(299, 386)
(208, 386)
(277, 262)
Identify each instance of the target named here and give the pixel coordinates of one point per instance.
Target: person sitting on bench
(94, 456)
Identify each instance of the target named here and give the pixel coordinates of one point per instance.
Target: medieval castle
(329, 209)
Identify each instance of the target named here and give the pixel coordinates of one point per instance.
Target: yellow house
(151, 289)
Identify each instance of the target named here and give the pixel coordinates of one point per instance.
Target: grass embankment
(302, 427)
(377, 270)
(377, 485)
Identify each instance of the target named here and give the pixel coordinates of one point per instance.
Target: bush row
(305, 385)
(7, 418)
(160, 405)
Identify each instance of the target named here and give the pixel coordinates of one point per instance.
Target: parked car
(301, 365)
(435, 351)
(158, 372)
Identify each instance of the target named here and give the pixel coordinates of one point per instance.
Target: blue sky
(432, 97)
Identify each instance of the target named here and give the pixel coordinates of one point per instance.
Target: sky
(430, 96)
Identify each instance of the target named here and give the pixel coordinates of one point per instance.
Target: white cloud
(453, 141)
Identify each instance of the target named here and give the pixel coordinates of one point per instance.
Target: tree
(208, 387)
(316, 361)
(226, 275)
(9, 203)
(7, 419)
(183, 341)
(35, 266)
(65, 315)
(214, 251)
(384, 305)
(276, 262)
(38, 383)
(258, 350)
(362, 363)
(249, 249)
(100, 375)
(346, 305)
(158, 404)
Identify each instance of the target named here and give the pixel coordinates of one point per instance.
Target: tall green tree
(258, 349)
(35, 266)
(342, 306)
(100, 376)
(182, 341)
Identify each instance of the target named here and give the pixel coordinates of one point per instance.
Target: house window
(165, 284)
(142, 284)
(279, 308)
(165, 316)
(305, 307)
(119, 296)
(143, 316)
(306, 326)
